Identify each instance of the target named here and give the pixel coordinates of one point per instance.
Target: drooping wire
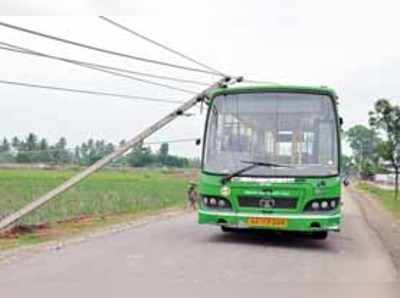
(127, 96)
(22, 50)
(138, 79)
(162, 46)
(102, 50)
(89, 66)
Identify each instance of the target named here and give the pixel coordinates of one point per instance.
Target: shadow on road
(270, 238)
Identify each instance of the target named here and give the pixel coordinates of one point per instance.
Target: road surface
(178, 258)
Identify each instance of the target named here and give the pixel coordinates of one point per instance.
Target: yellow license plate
(269, 222)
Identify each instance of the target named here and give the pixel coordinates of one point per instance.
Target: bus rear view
(271, 160)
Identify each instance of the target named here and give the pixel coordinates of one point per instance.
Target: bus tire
(320, 235)
(226, 229)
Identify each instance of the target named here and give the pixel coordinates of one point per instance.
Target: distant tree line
(33, 149)
(376, 149)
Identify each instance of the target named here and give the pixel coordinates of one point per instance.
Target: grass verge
(384, 196)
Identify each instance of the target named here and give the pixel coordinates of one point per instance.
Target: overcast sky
(351, 46)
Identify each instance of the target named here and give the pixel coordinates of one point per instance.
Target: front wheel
(226, 229)
(320, 235)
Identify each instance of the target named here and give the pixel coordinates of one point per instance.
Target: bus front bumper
(292, 222)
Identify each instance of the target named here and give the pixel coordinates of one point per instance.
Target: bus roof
(255, 88)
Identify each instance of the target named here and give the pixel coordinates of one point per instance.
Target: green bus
(271, 159)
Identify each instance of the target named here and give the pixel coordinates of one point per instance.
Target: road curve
(178, 258)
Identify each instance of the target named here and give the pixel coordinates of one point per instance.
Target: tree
(346, 164)
(163, 152)
(23, 157)
(15, 143)
(59, 152)
(386, 118)
(109, 148)
(31, 142)
(5, 153)
(5, 146)
(34, 149)
(140, 156)
(43, 145)
(91, 157)
(77, 155)
(364, 142)
(43, 154)
(25, 149)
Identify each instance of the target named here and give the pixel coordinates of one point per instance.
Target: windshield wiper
(252, 165)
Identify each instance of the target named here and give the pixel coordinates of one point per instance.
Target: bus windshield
(294, 129)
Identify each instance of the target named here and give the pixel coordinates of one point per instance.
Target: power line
(138, 79)
(143, 98)
(18, 49)
(85, 65)
(22, 50)
(102, 50)
(162, 46)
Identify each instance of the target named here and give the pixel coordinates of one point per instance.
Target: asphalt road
(178, 258)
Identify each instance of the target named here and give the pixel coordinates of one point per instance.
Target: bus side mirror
(198, 142)
(340, 121)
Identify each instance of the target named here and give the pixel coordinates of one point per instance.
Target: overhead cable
(22, 50)
(97, 68)
(102, 50)
(143, 98)
(161, 45)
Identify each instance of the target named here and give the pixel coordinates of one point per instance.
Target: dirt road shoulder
(381, 221)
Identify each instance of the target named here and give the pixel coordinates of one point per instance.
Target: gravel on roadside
(381, 221)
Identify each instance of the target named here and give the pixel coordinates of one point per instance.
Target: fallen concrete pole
(9, 221)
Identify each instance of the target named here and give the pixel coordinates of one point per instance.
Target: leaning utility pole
(9, 221)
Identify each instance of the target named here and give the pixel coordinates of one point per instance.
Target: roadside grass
(36, 234)
(385, 196)
(107, 197)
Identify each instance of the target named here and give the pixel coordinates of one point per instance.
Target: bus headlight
(221, 203)
(322, 205)
(315, 206)
(214, 202)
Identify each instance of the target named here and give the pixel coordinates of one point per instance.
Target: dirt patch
(381, 221)
(32, 235)
(20, 230)
(44, 230)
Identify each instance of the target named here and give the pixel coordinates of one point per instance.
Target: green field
(386, 197)
(107, 192)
